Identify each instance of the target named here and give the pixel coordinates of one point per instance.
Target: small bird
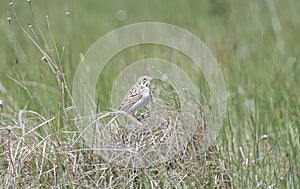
(137, 96)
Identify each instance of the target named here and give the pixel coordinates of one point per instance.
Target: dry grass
(162, 152)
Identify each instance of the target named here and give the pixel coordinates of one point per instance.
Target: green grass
(257, 146)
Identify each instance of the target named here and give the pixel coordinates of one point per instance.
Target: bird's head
(145, 80)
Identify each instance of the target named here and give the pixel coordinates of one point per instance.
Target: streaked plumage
(137, 96)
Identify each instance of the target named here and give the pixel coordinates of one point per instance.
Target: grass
(258, 143)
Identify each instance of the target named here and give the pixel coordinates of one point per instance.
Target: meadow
(256, 45)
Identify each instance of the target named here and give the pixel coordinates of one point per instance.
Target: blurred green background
(240, 34)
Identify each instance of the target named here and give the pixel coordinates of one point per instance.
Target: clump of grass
(164, 132)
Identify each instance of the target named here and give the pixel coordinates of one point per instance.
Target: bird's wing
(133, 95)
